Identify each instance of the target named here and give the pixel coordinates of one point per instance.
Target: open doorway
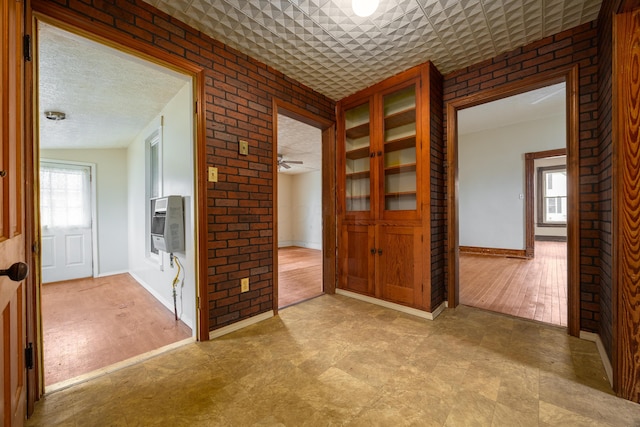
(299, 168)
(497, 271)
(100, 107)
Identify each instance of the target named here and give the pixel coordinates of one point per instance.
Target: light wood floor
(299, 275)
(89, 324)
(533, 289)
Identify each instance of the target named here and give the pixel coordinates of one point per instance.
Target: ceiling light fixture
(364, 8)
(55, 115)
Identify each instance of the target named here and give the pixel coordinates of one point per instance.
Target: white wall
(178, 179)
(300, 210)
(540, 163)
(285, 211)
(111, 201)
(491, 180)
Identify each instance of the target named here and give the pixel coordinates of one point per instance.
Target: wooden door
(12, 245)
(356, 259)
(398, 264)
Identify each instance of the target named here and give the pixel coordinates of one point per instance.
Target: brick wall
(605, 28)
(438, 194)
(574, 46)
(238, 100)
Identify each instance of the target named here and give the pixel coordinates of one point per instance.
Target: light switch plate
(244, 284)
(244, 148)
(213, 174)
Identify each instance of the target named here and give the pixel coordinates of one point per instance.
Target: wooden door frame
(570, 77)
(70, 21)
(624, 206)
(529, 195)
(329, 235)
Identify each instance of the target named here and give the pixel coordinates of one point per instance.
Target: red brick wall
(239, 93)
(605, 28)
(438, 194)
(574, 46)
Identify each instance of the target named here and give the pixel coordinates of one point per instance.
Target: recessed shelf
(358, 153)
(400, 118)
(400, 143)
(409, 167)
(358, 175)
(358, 131)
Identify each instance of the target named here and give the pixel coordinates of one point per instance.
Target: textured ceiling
(324, 45)
(109, 97)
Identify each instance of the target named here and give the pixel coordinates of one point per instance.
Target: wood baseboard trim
(590, 336)
(216, 333)
(116, 366)
(551, 238)
(474, 250)
(393, 305)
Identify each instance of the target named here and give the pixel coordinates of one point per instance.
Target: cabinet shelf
(409, 167)
(358, 153)
(400, 118)
(400, 194)
(400, 143)
(358, 175)
(358, 131)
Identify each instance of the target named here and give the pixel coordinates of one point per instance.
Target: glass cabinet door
(357, 173)
(400, 150)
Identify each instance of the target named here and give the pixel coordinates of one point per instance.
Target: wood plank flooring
(89, 324)
(299, 275)
(533, 289)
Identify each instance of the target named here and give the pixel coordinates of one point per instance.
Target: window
(65, 195)
(552, 196)
(154, 182)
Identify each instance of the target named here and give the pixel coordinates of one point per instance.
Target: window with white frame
(552, 196)
(153, 181)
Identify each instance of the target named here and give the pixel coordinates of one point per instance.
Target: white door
(65, 217)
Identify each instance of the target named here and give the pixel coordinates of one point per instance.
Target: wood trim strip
(570, 76)
(474, 250)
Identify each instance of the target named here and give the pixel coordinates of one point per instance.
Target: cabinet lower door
(357, 270)
(398, 265)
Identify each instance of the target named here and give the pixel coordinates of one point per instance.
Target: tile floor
(334, 360)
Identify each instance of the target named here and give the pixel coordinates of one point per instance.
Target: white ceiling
(108, 96)
(324, 45)
(299, 141)
(537, 104)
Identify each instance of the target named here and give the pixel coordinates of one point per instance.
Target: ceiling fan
(282, 163)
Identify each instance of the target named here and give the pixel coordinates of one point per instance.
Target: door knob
(373, 251)
(16, 272)
(379, 251)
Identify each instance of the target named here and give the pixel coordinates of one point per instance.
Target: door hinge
(195, 108)
(35, 248)
(28, 356)
(198, 303)
(26, 47)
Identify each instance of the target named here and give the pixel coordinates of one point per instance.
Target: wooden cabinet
(383, 187)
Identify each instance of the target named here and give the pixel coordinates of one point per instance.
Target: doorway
(102, 112)
(304, 193)
(299, 169)
(516, 197)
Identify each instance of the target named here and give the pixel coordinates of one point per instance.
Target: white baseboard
(590, 336)
(110, 273)
(393, 305)
(240, 325)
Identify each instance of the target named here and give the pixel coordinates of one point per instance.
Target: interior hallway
(533, 289)
(299, 274)
(89, 324)
(337, 360)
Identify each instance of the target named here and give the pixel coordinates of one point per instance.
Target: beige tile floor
(338, 361)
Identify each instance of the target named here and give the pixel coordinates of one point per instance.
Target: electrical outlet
(244, 148)
(213, 174)
(244, 284)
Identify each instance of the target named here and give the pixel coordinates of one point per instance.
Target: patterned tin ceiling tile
(324, 45)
